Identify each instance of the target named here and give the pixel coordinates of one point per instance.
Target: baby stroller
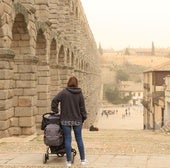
(53, 136)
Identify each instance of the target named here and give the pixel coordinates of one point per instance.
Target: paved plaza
(120, 117)
(120, 143)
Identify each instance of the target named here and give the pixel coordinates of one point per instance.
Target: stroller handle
(51, 113)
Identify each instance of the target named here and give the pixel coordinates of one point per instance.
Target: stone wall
(42, 44)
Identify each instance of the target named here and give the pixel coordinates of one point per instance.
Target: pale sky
(120, 24)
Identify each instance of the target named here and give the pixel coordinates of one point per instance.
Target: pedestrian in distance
(73, 113)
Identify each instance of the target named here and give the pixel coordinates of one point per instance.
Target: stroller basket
(50, 118)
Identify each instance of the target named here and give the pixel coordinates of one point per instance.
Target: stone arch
(68, 57)
(5, 27)
(24, 78)
(77, 12)
(54, 78)
(27, 81)
(43, 75)
(87, 66)
(61, 56)
(72, 6)
(20, 40)
(72, 59)
(53, 52)
(63, 71)
(81, 65)
(20, 9)
(77, 63)
(41, 47)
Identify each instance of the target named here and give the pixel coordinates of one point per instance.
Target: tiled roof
(162, 67)
(132, 86)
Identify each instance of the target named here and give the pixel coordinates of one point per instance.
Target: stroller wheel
(73, 154)
(45, 158)
(60, 154)
(72, 157)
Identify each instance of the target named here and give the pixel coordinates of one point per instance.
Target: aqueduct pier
(42, 44)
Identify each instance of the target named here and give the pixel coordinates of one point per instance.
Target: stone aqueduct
(42, 43)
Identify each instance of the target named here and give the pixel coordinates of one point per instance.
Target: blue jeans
(68, 139)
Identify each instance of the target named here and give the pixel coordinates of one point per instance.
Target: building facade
(132, 89)
(167, 100)
(154, 96)
(42, 44)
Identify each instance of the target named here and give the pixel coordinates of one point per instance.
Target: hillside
(110, 60)
(148, 61)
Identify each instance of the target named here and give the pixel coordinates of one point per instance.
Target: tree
(127, 51)
(112, 95)
(153, 49)
(121, 75)
(100, 49)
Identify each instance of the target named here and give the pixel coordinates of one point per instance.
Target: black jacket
(72, 105)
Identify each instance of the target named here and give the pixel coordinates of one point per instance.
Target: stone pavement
(34, 160)
(111, 148)
(105, 148)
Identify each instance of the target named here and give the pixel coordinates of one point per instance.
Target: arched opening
(41, 47)
(53, 53)
(72, 60)
(62, 71)
(68, 57)
(24, 79)
(43, 79)
(61, 56)
(20, 37)
(53, 70)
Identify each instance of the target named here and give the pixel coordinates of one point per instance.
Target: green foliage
(121, 75)
(127, 51)
(153, 49)
(112, 95)
(129, 71)
(100, 49)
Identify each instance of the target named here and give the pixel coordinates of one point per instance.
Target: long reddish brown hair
(72, 82)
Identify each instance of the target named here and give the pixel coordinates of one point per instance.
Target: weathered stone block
(43, 68)
(26, 121)
(35, 110)
(5, 104)
(43, 103)
(43, 73)
(25, 84)
(43, 96)
(4, 133)
(4, 65)
(25, 101)
(41, 2)
(42, 88)
(26, 68)
(23, 111)
(6, 94)
(28, 131)
(6, 74)
(4, 84)
(42, 110)
(30, 91)
(14, 131)
(28, 76)
(44, 80)
(18, 92)
(4, 124)
(6, 114)
(14, 122)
